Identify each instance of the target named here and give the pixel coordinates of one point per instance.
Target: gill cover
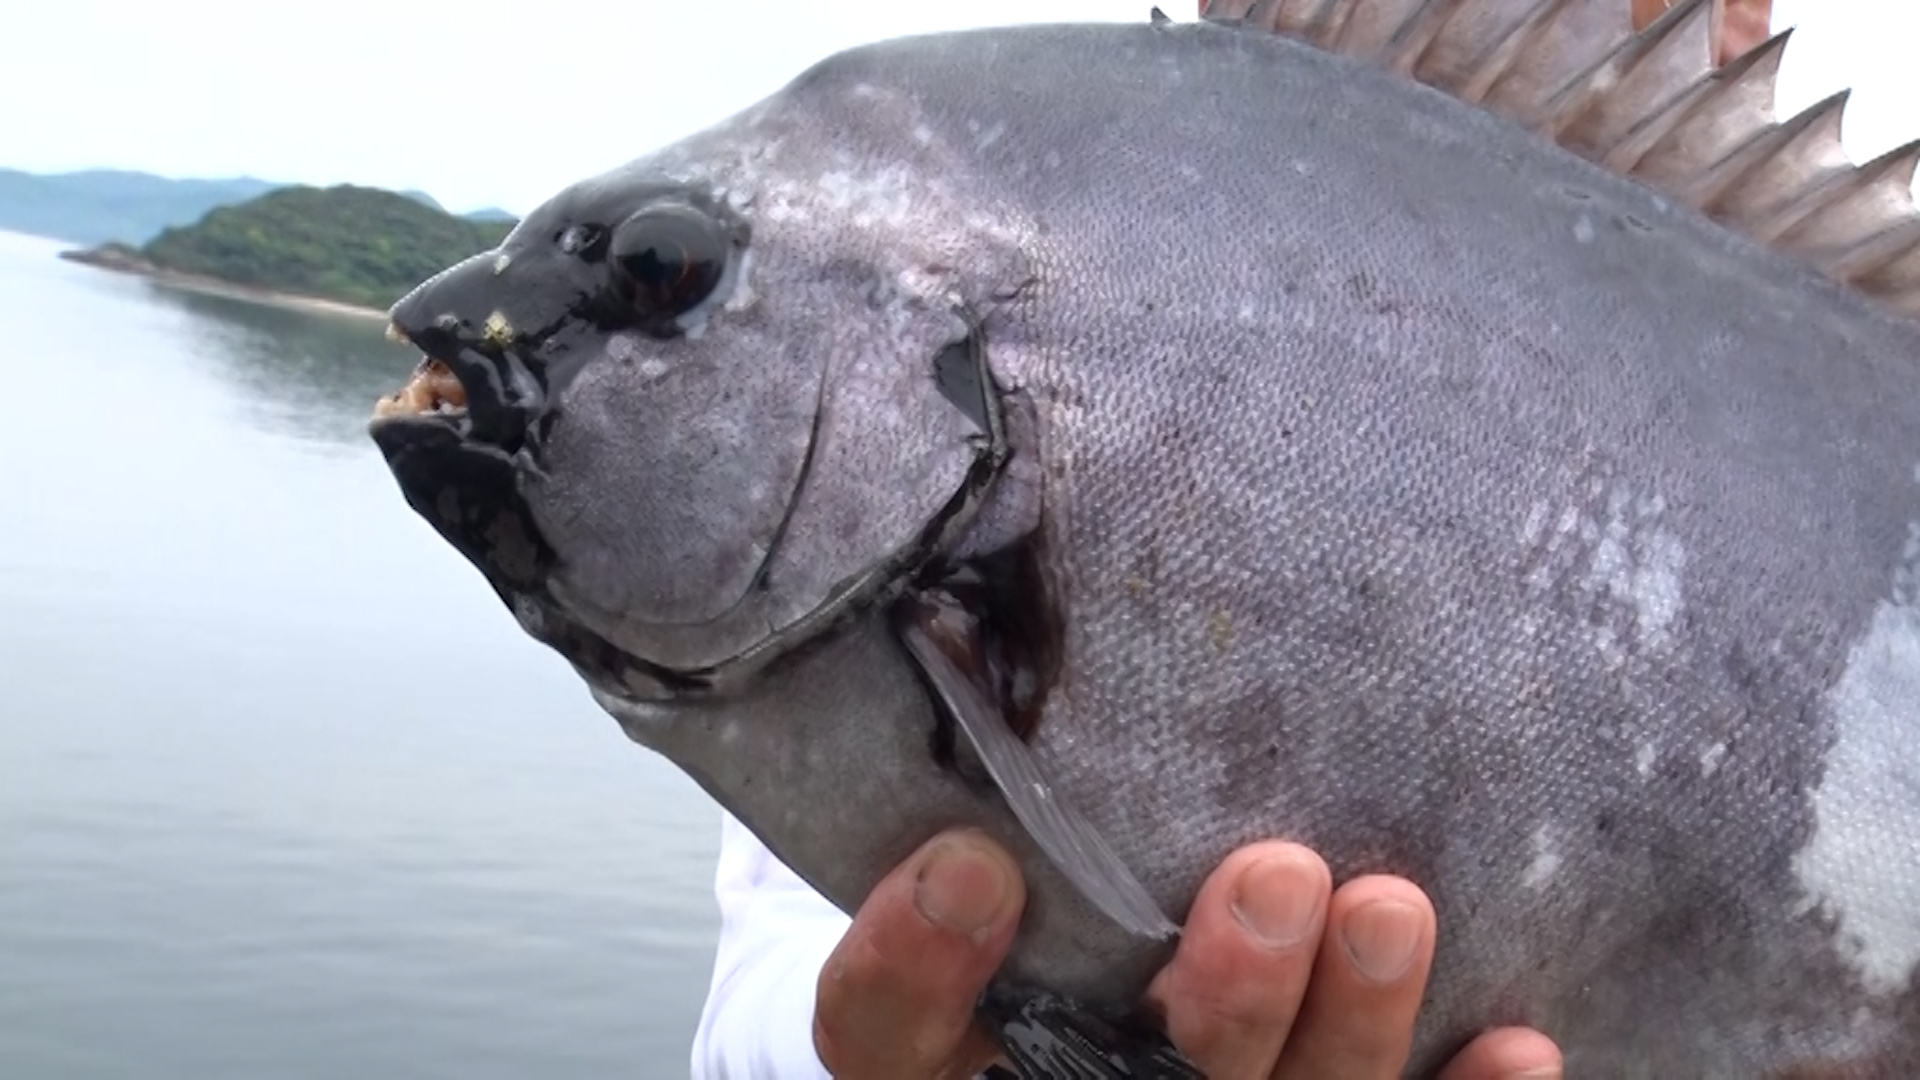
(716, 500)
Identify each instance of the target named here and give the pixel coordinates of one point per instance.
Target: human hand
(1744, 25)
(1266, 992)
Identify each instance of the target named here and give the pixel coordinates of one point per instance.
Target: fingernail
(1545, 1072)
(963, 888)
(1278, 900)
(1381, 937)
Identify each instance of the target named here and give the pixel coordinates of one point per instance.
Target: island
(343, 248)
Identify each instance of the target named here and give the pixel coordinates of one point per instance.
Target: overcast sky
(503, 103)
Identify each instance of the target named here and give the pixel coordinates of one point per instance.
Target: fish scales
(1393, 480)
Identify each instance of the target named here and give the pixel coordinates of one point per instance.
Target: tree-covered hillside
(358, 245)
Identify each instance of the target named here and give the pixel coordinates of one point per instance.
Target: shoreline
(120, 261)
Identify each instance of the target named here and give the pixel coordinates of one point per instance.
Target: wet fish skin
(1404, 486)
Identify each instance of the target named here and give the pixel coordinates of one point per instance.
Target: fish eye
(668, 259)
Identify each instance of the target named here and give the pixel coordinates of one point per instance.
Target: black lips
(466, 491)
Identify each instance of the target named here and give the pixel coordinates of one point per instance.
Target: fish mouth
(454, 437)
(433, 391)
(481, 392)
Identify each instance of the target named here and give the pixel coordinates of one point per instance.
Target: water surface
(284, 791)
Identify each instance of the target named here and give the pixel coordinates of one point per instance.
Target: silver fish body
(1344, 463)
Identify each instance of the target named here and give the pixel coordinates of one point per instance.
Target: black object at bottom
(1048, 1037)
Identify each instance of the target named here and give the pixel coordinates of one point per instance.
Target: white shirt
(775, 935)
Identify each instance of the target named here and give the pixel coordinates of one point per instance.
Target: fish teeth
(433, 389)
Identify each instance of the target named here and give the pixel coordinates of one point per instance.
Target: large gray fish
(1465, 436)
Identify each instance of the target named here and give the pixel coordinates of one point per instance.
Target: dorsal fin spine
(1649, 105)
(1727, 187)
(1857, 200)
(1639, 142)
(1369, 28)
(1858, 263)
(1493, 65)
(1330, 20)
(1736, 103)
(1411, 41)
(1604, 96)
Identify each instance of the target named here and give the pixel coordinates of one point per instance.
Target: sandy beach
(120, 263)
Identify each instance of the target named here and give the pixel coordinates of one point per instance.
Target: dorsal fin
(1651, 105)
(1637, 79)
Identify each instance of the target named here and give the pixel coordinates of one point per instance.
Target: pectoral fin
(944, 638)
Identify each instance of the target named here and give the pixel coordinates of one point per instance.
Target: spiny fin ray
(1298, 16)
(1371, 26)
(1765, 171)
(1636, 80)
(1726, 109)
(1851, 206)
(1573, 37)
(1465, 56)
(1898, 280)
(1874, 257)
(1649, 105)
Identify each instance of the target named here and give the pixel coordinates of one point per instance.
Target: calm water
(283, 789)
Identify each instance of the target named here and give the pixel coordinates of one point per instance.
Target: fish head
(691, 410)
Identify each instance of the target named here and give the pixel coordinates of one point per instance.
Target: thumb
(896, 997)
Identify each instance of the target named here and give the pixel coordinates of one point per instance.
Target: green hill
(357, 245)
(98, 205)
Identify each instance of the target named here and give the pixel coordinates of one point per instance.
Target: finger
(1743, 23)
(1507, 1054)
(1357, 1019)
(1646, 11)
(1232, 989)
(1744, 26)
(896, 997)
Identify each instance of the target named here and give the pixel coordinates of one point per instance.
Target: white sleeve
(775, 934)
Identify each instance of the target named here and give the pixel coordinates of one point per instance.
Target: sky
(504, 102)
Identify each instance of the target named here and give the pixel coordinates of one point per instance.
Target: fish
(1472, 438)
